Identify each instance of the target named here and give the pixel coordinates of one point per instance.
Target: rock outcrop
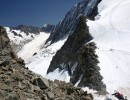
(19, 83)
(79, 58)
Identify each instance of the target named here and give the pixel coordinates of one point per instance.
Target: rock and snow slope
(111, 33)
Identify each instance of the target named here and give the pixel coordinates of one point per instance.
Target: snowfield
(111, 32)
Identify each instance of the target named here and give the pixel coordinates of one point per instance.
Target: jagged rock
(67, 26)
(42, 83)
(76, 50)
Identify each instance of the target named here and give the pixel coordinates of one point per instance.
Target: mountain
(27, 29)
(66, 27)
(19, 83)
(47, 28)
(69, 50)
(110, 31)
(35, 30)
(19, 38)
(79, 58)
(22, 34)
(86, 52)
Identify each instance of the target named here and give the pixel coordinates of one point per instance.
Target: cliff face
(18, 83)
(79, 58)
(66, 27)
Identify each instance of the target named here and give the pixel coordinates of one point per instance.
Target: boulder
(50, 95)
(42, 83)
(17, 75)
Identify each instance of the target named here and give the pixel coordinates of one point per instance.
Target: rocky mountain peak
(79, 58)
(64, 28)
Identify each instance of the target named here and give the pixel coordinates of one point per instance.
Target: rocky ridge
(19, 83)
(79, 58)
(66, 27)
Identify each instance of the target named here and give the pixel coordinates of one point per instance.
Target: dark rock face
(18, 83)
(66, 27)
(75, 50)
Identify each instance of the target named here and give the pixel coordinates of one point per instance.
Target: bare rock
(42, 83)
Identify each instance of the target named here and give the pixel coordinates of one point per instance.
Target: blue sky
(33, 12)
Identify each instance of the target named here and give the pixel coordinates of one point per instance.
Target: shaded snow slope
(111, 33)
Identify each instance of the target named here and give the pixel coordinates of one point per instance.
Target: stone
(2, 94)
(12, 96)
(21, 61)
(5, 87)
(50, 95)
(42, 83)
(17, 75)
(4, 63)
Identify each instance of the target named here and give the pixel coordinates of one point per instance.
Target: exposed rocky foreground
(18, 83)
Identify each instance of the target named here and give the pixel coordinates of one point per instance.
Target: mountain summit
(66, 27)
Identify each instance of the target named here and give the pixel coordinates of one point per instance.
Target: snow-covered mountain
(110, 31)
(33, 29)
(66, 27)
(22, 34)
(19, 38)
